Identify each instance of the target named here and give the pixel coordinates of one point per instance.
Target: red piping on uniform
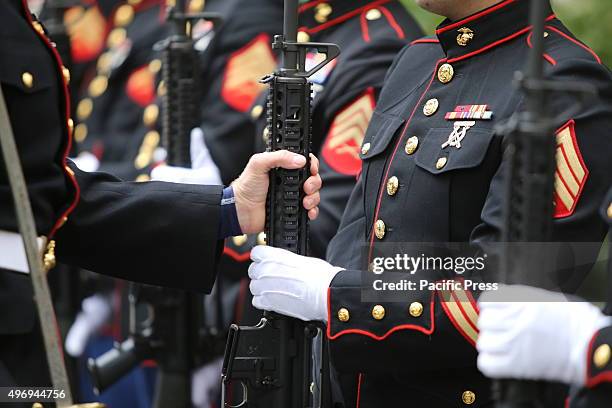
(235, 255)
(359, 378)
(365, 31)
(561, 33)
(393, 22)
(309, 5)
(474, 17)
(388, 333)
(343, 17)
(66, 94)
(382, 185)
(496, 43)
(547, 57)
(425, 41)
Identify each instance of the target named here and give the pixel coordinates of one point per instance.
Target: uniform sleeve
(156, 233)
(438, 328)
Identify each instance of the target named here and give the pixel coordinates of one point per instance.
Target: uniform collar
(319, 15)
(486, 29)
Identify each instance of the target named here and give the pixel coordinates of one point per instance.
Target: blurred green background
(589, 20)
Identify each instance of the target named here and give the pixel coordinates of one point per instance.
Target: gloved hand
(203, 169)
(95, 312)
(535, 334)
(206, 384)
(290, 284)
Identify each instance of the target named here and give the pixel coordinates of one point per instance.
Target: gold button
(322, 12)
(98, 86)
(142, 178)
(49, 261)
(116, 37)
(80, 133)
(465, 36)
(411, 145)
(365, 148)
(378, 312)
(104, 62)
(70, 125)
(601, 356)
(380, 229)
(195, 6)
(546, 34)
(161, 89)
(84, 108)
(468, 397)
(261, 238)
(27, 79)
(66, 74)
(155, 66)
(69, 171)
(266, 135)
(38, 27)
(441, 163)
(392, 185)
(446, 73)
(415, 309)
(343, 315)
(150, 114)
(151, 139)
(240, 240)
(431, 107)
(609, 211)
(256, 111)
(143, 159)
(124, 15)
(302, 36)
(373, 14)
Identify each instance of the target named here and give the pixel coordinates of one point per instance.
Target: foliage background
(589, 20)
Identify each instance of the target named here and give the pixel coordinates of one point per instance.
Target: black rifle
(273, 361)
(167, 325)
(528, 211)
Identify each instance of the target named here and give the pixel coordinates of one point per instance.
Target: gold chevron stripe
(564, 138)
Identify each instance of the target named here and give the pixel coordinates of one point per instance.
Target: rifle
(528, 211)
(167, 325)
(273, 361)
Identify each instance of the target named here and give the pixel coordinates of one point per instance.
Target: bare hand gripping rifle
(273, 361)
(167, 325)
(528, 211)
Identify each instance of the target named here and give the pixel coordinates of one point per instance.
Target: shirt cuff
(229, 225)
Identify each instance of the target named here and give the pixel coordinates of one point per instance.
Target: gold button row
(378, 312)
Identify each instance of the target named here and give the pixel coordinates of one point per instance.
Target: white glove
(290, 284)
(95, 312)
(203, 169)
(206, 384)
(535, 335)
(87, 162)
